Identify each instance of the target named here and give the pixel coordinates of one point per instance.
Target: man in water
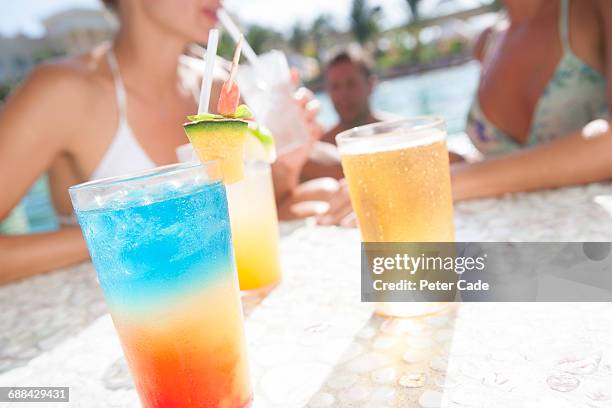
(349, 83)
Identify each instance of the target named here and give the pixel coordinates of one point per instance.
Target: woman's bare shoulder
(56, 92)
(80, 73)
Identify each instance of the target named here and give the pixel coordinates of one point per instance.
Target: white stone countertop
(313, 344)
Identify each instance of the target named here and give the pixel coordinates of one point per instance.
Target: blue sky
(25, 15)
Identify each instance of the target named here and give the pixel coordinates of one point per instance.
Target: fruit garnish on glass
(229, 136)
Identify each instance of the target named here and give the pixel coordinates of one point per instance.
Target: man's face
(349, 90)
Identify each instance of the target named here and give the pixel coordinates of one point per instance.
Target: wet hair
(355, 57)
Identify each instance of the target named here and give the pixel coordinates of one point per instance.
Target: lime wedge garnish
(260, 145)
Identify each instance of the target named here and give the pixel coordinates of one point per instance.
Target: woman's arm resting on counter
(582, 157)
(22, 256)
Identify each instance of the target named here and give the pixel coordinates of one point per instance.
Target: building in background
(68, 32)
(17, 56)
(77, 30)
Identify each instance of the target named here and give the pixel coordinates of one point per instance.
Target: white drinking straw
(209, 67)
(234, 32)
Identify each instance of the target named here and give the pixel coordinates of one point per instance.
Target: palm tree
(321, 27)
(364, 20)
(415, 29)
(298, 38)
(414, 10)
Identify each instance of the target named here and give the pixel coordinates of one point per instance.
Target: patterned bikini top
(575, 96)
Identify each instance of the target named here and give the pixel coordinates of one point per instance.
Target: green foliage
(226, 46)
(312, 41)
(5, 90)
(456, 47)
(427, 54)
(260, 38)
(397, 56)
(321, 27)
(45, 54)
(315, 39)
(298, 38)
(364, 20)
(38, 56)
(401, 54)
(498, 4)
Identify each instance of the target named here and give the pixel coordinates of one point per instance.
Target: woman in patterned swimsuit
(540, 117)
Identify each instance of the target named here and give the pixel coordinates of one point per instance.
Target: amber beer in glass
(399, 182)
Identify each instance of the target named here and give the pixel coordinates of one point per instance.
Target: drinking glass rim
(153, 173)
(364, 131)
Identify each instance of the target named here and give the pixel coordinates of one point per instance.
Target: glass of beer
(399, 182)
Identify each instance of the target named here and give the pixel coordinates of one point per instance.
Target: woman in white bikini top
(111, 111)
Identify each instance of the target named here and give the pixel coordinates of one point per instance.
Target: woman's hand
(327, 199)
(287, 168)
(26, 255)
(578, 158)
(340, 211)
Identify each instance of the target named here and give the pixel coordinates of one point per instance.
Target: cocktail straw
(209, 67)
(234, 32)
(235, 62)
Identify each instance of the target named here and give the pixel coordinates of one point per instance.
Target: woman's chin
(202, 37)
